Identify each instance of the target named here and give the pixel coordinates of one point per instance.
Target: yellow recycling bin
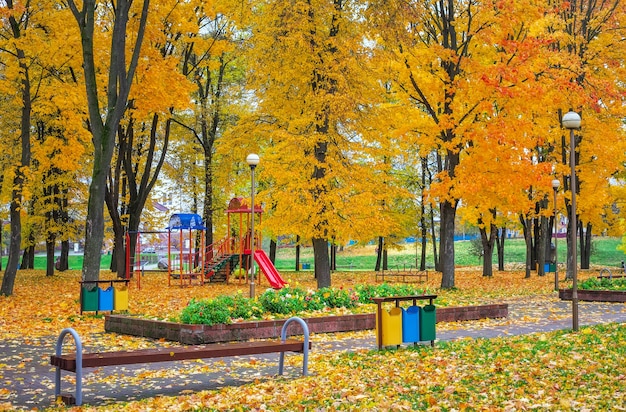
(120, 298)
(391, 327)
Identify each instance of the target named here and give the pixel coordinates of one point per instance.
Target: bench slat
(91, 360)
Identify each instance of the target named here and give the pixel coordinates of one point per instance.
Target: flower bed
(199, 334)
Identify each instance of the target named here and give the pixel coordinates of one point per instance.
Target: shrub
(284, 301)
(367, 292)
(241, 307)
(604, 284)
(337, 298)
(206, 312)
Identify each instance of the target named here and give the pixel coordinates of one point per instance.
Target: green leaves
(604, 284)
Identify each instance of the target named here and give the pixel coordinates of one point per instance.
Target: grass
(359, 257)
(604, 253)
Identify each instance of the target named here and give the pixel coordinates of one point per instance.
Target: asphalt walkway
(27, 379)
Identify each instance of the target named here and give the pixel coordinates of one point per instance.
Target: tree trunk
(500, 236)
(379, 253)
(526, 223)
(50, 261)
(488, 242)
(64, 257)
(322, 269)
(385, 260)
(542, 244)
(273, 251)
(424, 231)
(448, 215)
(433, 235)
(585, 245)
(333, 257)
(28, 258)
(8, 280)
(297, 253)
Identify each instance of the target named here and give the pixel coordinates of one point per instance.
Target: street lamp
(571, 121)
(253, 161)
(555, 185)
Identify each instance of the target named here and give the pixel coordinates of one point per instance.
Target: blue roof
(186, 221)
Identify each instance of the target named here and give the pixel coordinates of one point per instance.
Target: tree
(143, 135)
(589, 65)
(308, 68)
(449, 68)
(18, 18)
(103, 124)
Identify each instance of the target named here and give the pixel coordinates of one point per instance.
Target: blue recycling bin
(411, 324)
(105, 299)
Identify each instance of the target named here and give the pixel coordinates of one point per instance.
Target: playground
(181, 250)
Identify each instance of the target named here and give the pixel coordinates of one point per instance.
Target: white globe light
(252, 159)
(571, 120)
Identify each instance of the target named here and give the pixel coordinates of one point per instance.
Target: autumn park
(313, 205)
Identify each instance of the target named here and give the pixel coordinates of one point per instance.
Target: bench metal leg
(283, 338)
(79, 365)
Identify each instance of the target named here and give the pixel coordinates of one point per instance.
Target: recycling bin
(411, 324)
(89, 298)
(428, 319)
(391, 327)
(105, 299)
(120, 298)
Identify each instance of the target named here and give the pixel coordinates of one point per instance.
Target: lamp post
(555, 185)
(571, 121)
(252, 159)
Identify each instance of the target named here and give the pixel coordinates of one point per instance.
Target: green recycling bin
(89, 299)
(428, 319)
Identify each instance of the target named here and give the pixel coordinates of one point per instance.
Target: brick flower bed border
(594, 295)
(199, 334)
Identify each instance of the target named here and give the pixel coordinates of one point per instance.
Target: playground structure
(189, 261)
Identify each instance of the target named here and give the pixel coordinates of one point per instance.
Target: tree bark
(273, 251)
(448, 216)
(50, 261)
(488, 240)
(64, 257)
(500, 237)
(379, 253)
(322, 268)
(585, 246)
(542, 244)
(526, 224)
(297, 253)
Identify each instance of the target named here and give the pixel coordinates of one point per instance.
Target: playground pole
(252, 160)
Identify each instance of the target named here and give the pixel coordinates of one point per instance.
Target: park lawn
(558, 371)
(515, 373)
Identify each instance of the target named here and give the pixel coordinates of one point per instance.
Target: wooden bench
(400, 275)
(76, 362)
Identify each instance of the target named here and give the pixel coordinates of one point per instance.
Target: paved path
(27, 380)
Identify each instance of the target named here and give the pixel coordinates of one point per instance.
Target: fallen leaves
(547, 371)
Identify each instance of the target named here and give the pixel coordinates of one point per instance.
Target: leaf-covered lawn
(551, 371)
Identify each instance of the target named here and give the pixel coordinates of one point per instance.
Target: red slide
(268, 269)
